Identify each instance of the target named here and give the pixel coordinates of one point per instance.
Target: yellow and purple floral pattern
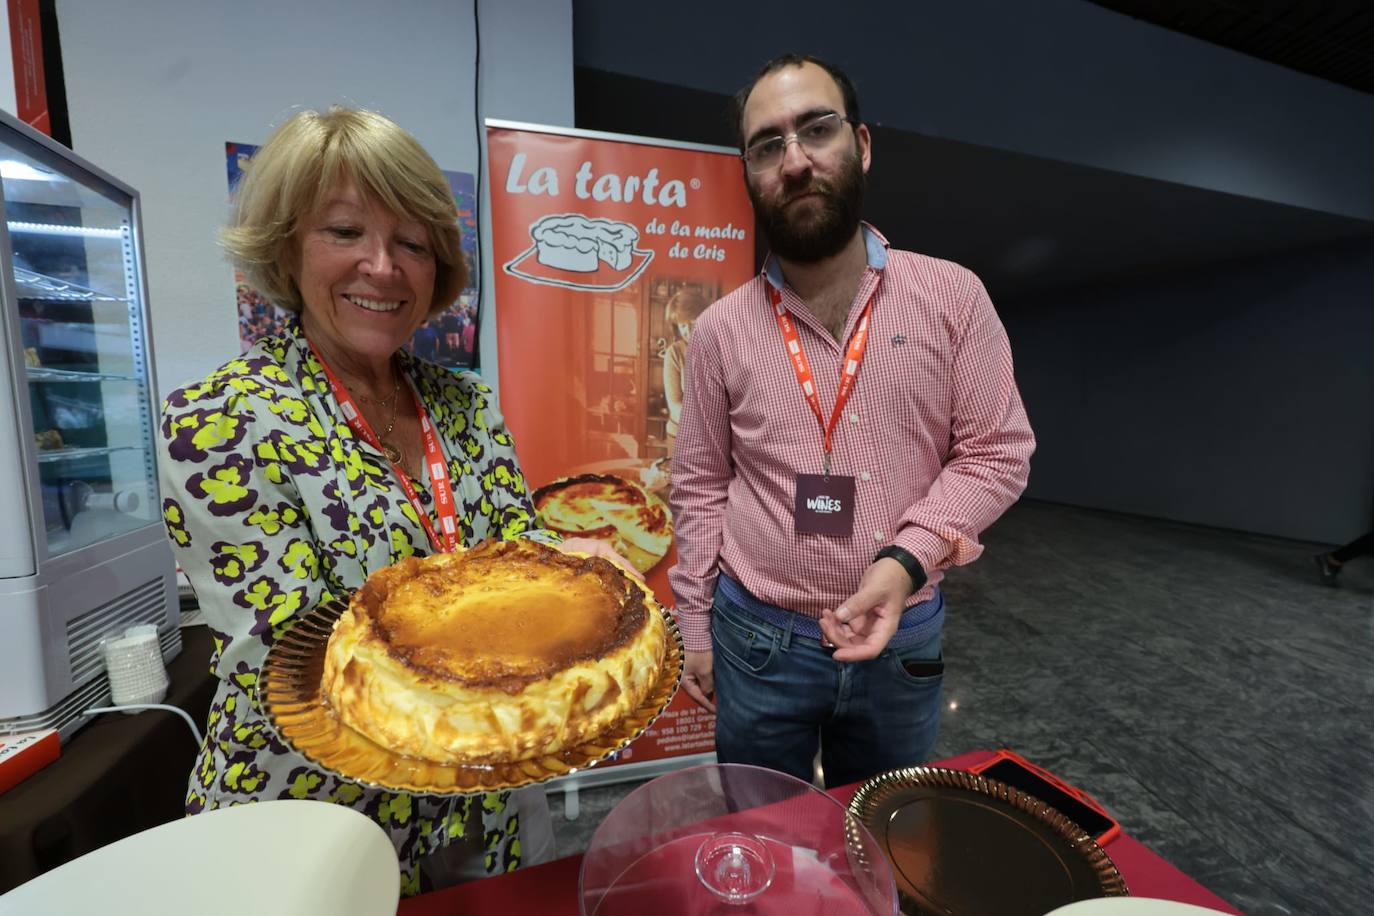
(274, 505)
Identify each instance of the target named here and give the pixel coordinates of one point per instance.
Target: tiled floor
(1200, 683)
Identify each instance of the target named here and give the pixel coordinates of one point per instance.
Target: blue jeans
(779, 695)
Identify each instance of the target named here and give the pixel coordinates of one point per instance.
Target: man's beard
(823, 233)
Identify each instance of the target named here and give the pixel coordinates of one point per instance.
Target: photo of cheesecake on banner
(610, 508)
(581, 252)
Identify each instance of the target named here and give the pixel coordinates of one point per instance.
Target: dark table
(119, 775)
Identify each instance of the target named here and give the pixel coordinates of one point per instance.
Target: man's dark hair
(847, 92)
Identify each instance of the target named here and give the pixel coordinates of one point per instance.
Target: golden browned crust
(611, 607)
(499, 653)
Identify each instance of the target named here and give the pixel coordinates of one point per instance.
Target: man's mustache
(814, 186)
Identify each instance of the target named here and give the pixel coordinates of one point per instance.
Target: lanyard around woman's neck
(434, 460)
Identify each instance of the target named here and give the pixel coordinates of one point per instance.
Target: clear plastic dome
(733, 840)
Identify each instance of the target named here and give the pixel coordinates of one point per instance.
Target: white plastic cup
(134, 665)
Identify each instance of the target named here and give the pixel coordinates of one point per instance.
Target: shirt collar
(874, 243)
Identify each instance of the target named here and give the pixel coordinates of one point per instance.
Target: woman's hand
(599, 549)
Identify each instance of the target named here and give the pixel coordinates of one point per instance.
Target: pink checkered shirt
(934, 434)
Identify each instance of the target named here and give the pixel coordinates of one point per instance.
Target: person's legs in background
(1329, 564)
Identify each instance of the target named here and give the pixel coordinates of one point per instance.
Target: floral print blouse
(274, 505)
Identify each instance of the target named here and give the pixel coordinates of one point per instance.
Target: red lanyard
(849, 374)
(434, 460)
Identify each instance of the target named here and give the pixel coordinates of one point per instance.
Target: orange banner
(606, 250)
(26, 50)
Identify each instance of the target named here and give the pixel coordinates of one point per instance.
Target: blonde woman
(277, 498)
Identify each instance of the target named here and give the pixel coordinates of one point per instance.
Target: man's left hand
(862, 626)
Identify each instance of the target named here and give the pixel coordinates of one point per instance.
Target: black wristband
(909, 563)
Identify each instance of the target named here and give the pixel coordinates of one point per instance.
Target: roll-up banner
(23, 85)
(606, 248)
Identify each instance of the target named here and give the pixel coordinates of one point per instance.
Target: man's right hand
(698, 679)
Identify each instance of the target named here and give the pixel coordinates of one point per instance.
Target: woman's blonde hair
(287, 179)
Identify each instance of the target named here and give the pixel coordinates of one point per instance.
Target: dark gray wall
(1062, 79)
(1239, 396)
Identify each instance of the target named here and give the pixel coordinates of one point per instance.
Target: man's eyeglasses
(815, 136)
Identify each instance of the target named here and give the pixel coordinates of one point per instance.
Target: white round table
(277, 857)
(1131, 906)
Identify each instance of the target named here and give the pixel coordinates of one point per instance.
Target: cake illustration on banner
(574, 242)
(576, 251)
(610, 508)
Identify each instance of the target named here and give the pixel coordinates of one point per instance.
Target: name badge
(825, 505)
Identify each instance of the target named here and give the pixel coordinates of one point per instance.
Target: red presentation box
(24, 754)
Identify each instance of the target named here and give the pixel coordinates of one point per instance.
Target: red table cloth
(551, 889)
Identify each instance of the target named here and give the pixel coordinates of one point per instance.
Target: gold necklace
(393, 452)
(386, 401)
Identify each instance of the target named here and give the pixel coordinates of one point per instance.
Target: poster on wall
(449, 339)
(23, 85)
(605, 250)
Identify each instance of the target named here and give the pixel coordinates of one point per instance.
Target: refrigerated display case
(83, 553)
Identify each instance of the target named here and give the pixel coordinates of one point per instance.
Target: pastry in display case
(89, 555)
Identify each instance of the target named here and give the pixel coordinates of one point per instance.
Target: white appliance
(83, 552)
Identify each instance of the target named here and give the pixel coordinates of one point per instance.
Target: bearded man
(850, 425)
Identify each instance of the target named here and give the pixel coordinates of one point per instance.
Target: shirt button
(853, 418)
(877, 535)
(866, 476)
